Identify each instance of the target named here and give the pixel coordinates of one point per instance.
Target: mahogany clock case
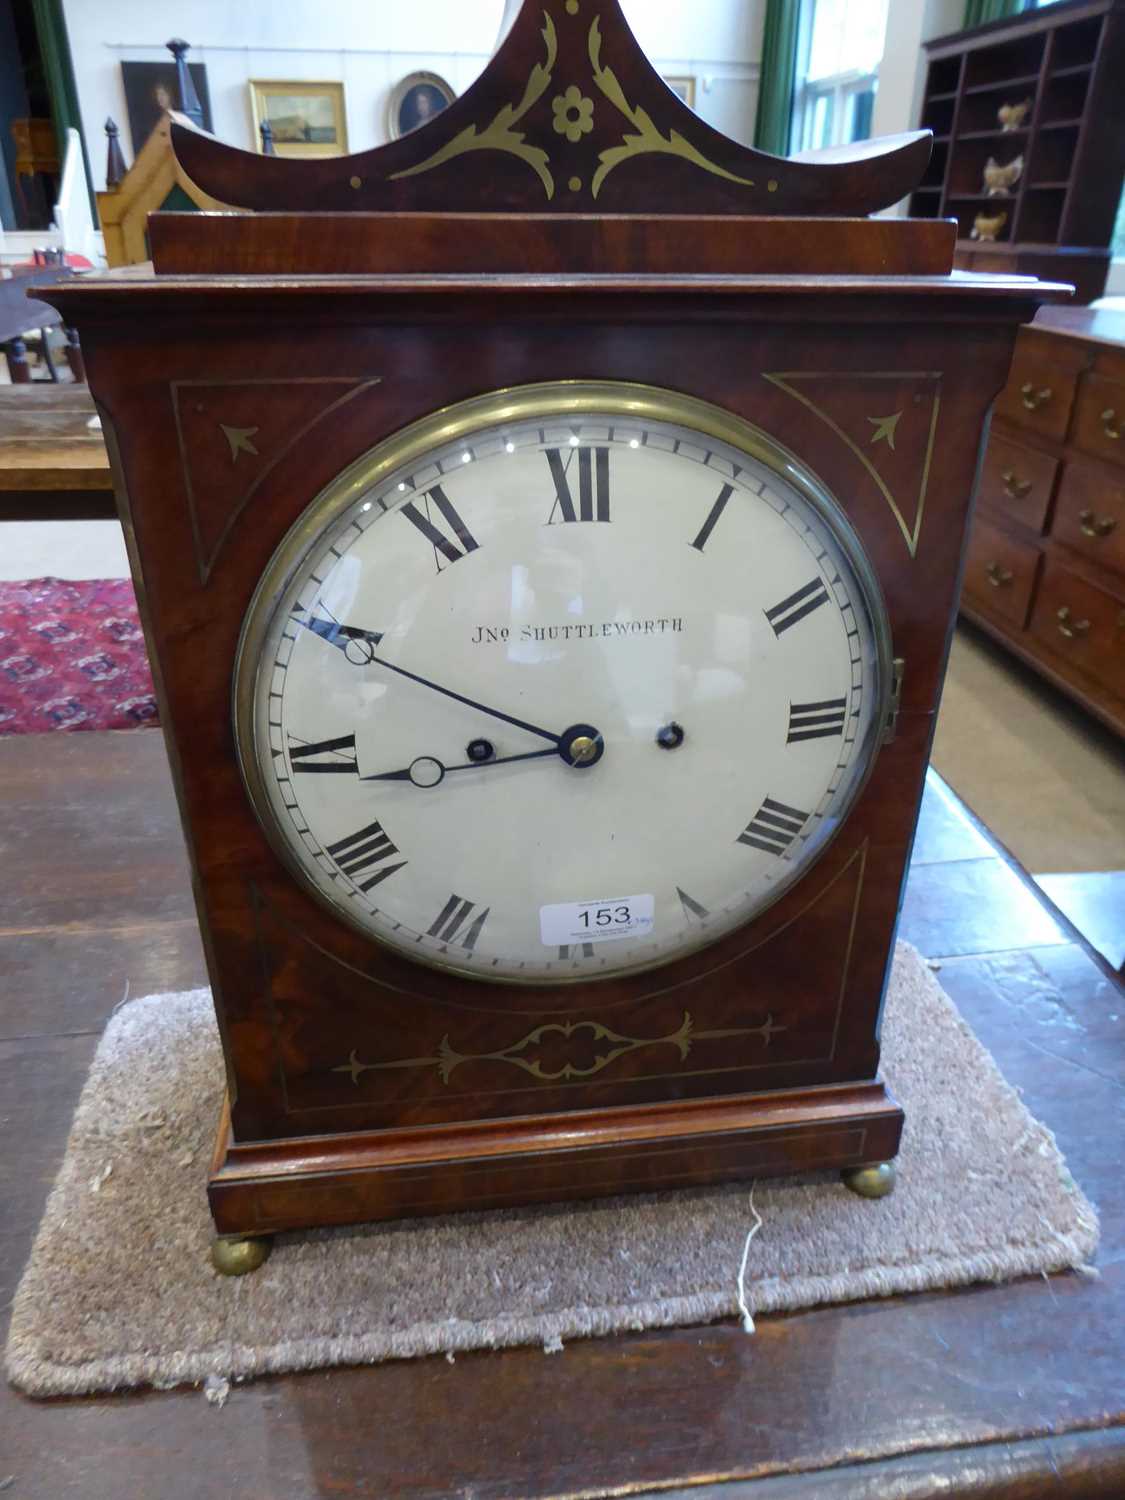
(219, 447)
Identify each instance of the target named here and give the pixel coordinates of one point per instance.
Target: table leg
(45, 344)
(74, 354)
(18, 367)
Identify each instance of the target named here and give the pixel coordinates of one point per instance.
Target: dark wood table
(52, 466)
(1015, 1391)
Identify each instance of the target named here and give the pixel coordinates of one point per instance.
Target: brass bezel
(552, 400)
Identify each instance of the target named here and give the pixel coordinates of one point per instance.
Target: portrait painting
(151, 88)
(305, 119)
(415, 101)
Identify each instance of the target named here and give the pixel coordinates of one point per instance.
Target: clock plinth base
(877, 1181)
(259, 1188)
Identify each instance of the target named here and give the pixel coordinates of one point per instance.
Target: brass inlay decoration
(239, 440)
(885, 429)
(785, 382)
(186, 393)
(448, 1059)
(648, 138)
(574, 114)
(573, 117)
(500, 134)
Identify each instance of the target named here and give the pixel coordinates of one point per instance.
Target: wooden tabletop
(1100, 325)
(1015, 1391)
(52, 466)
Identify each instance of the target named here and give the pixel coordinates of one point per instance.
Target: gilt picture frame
(415, 100)
(306, 118)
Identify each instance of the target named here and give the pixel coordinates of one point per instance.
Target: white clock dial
(568, 695)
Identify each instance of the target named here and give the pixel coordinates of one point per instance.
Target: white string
(747, 1320)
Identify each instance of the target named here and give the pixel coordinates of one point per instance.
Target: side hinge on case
(890, 729)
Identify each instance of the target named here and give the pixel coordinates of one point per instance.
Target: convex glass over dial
(562, 682)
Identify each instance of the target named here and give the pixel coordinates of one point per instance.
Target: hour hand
(428, 771)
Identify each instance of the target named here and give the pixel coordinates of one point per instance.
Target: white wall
(370, 45)
(902, 73)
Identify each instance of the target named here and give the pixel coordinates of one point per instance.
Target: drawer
(1082, 624)
(1090, 514)
(1018, 481)
(1040, 392)
(1099, 418)
(1000, 572)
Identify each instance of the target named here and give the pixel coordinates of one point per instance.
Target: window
(839, 49)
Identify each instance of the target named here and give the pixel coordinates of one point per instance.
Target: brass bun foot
(238, 1257)
(871, 1182)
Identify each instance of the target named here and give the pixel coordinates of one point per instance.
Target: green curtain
(977, 12)
(50, 27)
(779, 69)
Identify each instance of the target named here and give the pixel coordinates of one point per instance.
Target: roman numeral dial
(364, 857)
(593, 485)
(816, 721)
(459, 541)
(335, 757)
(712, 517)
(797, 607)
(455, 923)
(773, 827)
(655, 685)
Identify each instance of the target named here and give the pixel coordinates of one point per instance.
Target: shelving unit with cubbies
(1067, 62)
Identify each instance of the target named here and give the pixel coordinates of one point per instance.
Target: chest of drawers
(1045, 569)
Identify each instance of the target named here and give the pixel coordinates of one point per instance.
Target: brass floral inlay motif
(574, 114)
(573, 118)
(521, 1054)
(500, 134)
(648, 138)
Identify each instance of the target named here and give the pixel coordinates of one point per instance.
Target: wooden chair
(155, 181)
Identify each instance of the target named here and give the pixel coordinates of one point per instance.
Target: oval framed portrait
(416, 100)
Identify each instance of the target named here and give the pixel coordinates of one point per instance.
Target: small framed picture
(152, 88)
(416, 100)
(305, 119)
(683, 88)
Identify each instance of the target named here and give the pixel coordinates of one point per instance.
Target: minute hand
(339, 635)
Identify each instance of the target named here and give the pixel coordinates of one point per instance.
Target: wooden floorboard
(986, 1391)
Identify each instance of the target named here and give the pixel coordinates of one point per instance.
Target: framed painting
(305, 119)
(415, 100)
(683, 87)
(151, 88)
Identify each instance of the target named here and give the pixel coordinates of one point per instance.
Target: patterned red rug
(72, 656)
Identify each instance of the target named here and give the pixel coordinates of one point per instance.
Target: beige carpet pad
(119, 1290)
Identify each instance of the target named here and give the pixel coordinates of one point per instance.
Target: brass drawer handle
(1016, 487)
(1096, 526)
(999, 577)
(1110, 426)
(1068, 627)
(1033, 399)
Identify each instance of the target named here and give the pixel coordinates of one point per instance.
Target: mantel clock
(547, 529)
